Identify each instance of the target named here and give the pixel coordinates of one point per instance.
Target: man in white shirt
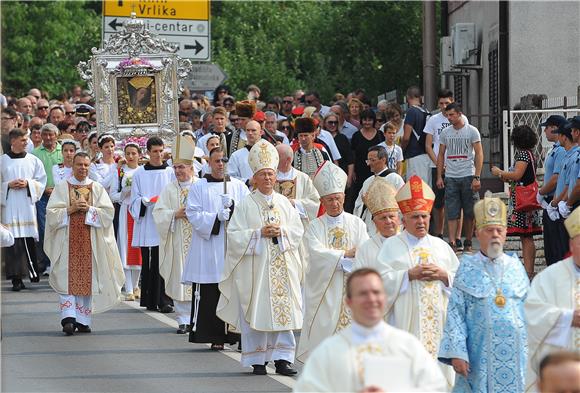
(369, 356)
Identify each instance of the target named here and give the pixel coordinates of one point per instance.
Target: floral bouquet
(134, 62)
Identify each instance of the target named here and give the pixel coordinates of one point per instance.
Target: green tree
(328, 46)
(42, 42)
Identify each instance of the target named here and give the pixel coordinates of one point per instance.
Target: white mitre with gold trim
(183, 150)
(263, 155)
(329, 179)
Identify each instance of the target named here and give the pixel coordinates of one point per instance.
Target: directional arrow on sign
(114, 24)
(198, 47)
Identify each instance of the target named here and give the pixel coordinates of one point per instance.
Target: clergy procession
(265, 260)
(318, 246)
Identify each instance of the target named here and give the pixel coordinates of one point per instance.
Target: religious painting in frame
(136, 79)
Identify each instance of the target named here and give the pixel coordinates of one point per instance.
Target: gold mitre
(263, 155)
(381, 197)
(183, 150)
(140, 81)
(572, 223)
(329, 179)
(490, 211)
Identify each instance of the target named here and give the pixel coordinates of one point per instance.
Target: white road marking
(287, 381)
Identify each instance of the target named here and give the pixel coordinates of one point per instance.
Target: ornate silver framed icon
(136, 80)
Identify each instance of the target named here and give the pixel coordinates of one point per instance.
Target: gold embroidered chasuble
(80, 265)
(107, 276)
(174, 239)
(325, 311)
(262, 279)
(418, 307)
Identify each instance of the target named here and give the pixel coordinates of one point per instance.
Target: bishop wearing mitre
(553, 306)
(418, 271)
(331, 243)
(79, 240)
(385, 214)
(175, 230)
(260, 286)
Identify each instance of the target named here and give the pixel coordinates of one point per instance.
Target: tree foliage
(42, 42)
(330, 46)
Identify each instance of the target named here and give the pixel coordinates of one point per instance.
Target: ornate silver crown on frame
(136, 80)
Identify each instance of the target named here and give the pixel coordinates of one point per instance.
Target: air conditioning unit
(445, 55)
(465, 51)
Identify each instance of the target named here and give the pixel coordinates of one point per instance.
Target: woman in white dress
(121, 194)
(102, 168)
(63, 170)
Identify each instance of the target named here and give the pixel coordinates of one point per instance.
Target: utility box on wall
(446, 55)
(465, 51)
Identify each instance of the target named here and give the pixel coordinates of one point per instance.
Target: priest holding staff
(260, 287)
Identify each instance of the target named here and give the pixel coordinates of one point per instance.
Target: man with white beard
(485, 337)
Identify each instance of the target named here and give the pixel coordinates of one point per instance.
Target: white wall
(544, 39)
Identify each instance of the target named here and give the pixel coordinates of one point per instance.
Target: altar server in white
(553, 306)
(175, 230)
(23, 181)
(210, 204)
(331, 243)
(260, 287)
(369, 355)
(148, 182)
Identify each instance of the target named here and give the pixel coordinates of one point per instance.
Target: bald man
(296, 186)
(238, 165)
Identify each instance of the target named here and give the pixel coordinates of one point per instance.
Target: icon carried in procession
(136, 79)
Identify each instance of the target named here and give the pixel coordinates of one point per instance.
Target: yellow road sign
(158, 9)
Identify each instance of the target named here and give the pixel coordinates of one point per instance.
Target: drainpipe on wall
(429, 54)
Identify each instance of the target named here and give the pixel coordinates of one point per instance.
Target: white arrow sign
(206, 77)
(192, 36)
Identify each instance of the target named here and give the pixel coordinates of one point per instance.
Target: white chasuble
(18, 205)
(174, 239)
(418, 307)
(549, 308)
(368, 252)
(107, 271)
(261, 277)
(325, 242)
(343, 363)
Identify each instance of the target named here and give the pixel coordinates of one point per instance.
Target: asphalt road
(130, 350)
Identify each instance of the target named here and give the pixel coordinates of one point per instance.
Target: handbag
(526, 200)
